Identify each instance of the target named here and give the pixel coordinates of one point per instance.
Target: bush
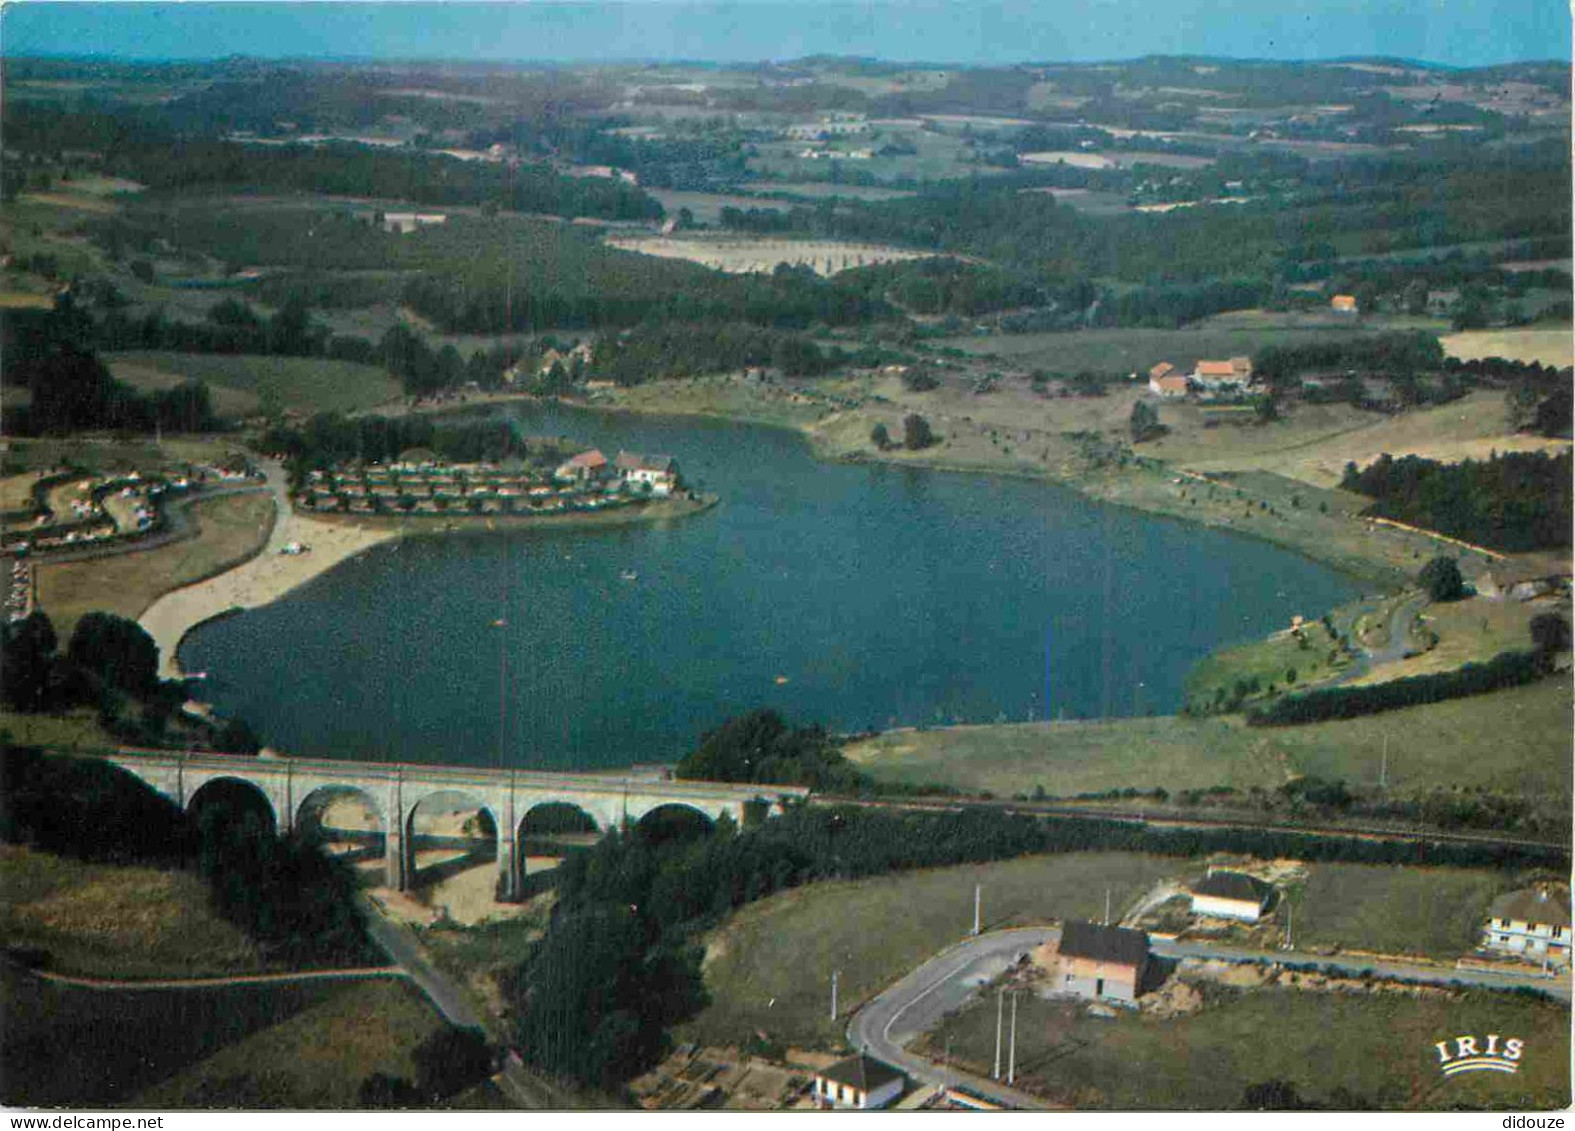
(1441, 578)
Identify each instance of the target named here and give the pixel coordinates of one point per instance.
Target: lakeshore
(302, 547)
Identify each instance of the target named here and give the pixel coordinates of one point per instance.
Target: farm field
(1135, 349)
(1459, 742)
(768, 968)
(1342, 1050)
(246, 384)
(230, 529)
(821, 189)
(1431, 912)
(116, 921)
(1551, 347)
(1317, 441)
(744, 254)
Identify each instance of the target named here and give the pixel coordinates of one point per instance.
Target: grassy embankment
(1377, 1048)
(117, 921)
(243, 385)
(290, 1046)
(276, 1045)
(769, 967)
(231, 529)
(1461, 742)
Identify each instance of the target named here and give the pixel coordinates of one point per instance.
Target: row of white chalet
(657, 473)
(1233, 375)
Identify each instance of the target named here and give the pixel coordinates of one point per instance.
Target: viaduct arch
(395, 790)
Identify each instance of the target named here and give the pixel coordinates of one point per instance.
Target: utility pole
(1289, 912)
(1383, 766)
(1000, 1002)
(1011, 1061)
(977, 890)
(1107, 907)
(834, 975)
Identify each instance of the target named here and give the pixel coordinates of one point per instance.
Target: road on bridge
(917, 1003)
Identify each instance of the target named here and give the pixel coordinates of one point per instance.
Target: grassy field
(231, 528)
(100, 455)
(1550, 346)
(246, 383)
(75, 730)
(1435, 912)
(1515, 741)
(304, 1046)
(1134, 350)
(1316, 441)
(1286, 661)
(1471, 630)
(768, 969)
(112, 921)
(1068, 758)
(701, 396)
(1377, 1049)
(315, 1058)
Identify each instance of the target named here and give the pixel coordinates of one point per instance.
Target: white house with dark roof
(1531, 924)
(1231, 895)
(1099, 961)
(859, 1082)
(660, 473)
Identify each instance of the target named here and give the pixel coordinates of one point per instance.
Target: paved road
(1393, 650)
(917, 1002)
(920, 1000)
(132, 984)
(399, 943)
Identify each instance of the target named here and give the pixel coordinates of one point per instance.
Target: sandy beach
(267, 577)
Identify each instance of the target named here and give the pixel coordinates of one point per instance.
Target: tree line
(1515, 501)
(1507, 669)
(329, 439)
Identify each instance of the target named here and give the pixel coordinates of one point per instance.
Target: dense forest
(1512, 502)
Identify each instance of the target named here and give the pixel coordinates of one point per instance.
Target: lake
(857, 596)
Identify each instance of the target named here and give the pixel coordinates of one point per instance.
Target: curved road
(944, 983)
(916, 1003)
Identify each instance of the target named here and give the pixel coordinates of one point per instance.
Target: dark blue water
(855, 596)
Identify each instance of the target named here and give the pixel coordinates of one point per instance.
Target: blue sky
(1456, 32)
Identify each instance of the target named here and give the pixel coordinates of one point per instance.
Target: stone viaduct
(293, 787)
